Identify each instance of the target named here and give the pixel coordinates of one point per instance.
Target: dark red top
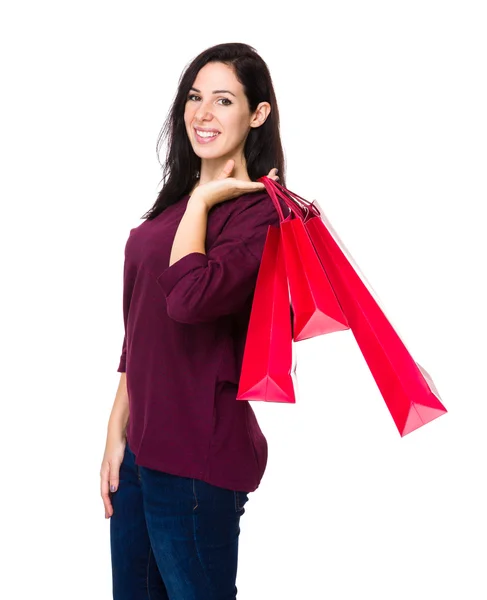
(185, 329)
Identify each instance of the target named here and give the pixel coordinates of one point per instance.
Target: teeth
(206, 133)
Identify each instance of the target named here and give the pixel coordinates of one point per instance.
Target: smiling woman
(218, 126)
(226, 89)
(183, 454)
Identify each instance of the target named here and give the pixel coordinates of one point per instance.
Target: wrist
(199, 200)
(116, 435)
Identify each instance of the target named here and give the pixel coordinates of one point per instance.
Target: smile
(205, 137)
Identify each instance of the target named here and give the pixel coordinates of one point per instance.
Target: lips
(206, 140)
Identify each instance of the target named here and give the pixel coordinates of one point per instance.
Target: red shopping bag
(408, 390)
(268, 365)
(315, 307)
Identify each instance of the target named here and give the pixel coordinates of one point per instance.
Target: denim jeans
(172, 537)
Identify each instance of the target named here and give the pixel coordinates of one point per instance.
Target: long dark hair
(263, 149)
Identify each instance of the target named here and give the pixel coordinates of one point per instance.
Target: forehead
(217, 76)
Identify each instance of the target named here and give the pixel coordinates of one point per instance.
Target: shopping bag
(407, 388)
(316, 310)
(269, 362)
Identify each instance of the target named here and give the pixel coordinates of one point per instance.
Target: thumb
(114, 481)
(227, 169)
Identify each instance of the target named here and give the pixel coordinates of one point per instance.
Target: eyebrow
(215, 91)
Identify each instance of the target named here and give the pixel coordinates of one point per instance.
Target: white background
(383, 111)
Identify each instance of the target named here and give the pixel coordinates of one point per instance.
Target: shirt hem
(198, 474)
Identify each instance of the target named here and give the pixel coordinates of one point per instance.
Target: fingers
(106, 480)
(247, 186)
(106, 500)
(273, 174)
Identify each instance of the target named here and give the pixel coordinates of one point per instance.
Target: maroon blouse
(185, 329)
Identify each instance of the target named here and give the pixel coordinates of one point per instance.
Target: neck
(210, 169)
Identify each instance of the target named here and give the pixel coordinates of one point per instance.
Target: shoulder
(260, 197)
(259, 206)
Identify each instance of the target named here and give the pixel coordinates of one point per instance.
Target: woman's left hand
(224, 187)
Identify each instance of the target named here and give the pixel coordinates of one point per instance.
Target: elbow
(188, 314)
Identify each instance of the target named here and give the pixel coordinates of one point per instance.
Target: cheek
(188, 116)
(235, 125)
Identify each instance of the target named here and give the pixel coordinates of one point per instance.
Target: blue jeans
(172, 537)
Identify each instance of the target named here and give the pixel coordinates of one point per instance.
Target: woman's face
(216, 102)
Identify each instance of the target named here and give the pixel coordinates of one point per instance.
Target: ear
(260, 115)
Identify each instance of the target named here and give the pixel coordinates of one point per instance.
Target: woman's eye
(226, 99)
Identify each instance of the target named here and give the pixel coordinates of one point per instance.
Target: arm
(115, 444)
(200, 287)
(191, 233)
(117, 423)
(122, 365)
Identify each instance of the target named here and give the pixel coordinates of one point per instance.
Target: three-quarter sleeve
(123, 357)
(203, 287)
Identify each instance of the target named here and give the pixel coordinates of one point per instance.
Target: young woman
(182, 454)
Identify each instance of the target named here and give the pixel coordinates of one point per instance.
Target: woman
(176, 474)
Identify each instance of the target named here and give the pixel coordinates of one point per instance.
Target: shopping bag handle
(298, 205)
(273, 192)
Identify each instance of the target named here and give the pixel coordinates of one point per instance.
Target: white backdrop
(384, 123)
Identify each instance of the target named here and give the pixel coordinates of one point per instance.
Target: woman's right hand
(224, 187)
(110, 469)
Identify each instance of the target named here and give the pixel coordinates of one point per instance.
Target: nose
(203, 113)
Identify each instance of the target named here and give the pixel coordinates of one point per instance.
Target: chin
(209, 154)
